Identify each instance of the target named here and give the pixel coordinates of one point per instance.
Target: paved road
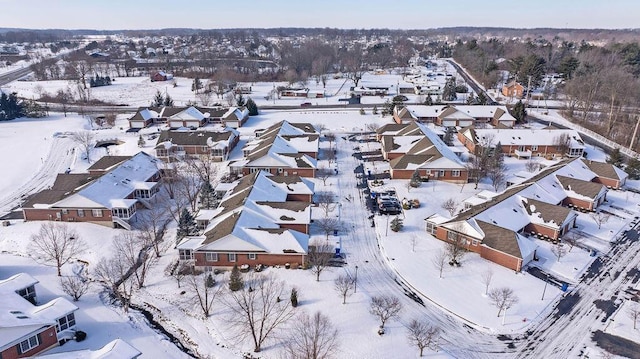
(376, 277)
(13, 75)
(565, 332)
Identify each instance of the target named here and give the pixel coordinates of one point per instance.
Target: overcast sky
(348, 14)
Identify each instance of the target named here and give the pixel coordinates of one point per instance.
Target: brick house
(263, 220)
(455, 115)
(524, 143)
(513, 89)
(499, 226)
(216, 143)
(27, 328)
(417, 148)
(235, 117)
(190, 117)
(607, 174)
(111, 197)
(282, 149)
(160, 76)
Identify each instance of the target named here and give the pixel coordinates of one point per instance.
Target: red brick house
(455, 115)
(418, 148)
(283, 149)
(109, 199)
(499, 227)
(607, 174)
(524, 143)
(160, 76)
(513, 89)
(215, 144)
(27, 328)
(263, 220)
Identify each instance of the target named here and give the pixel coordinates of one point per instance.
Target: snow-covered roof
(115, 349)
(528, 136)
(112, 189)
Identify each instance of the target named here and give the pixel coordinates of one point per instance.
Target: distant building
(212, 144)
(455, 115)
(513, 89)
(160, 76)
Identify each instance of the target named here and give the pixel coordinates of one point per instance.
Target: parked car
(336, 262)
(305, 104)
(389, 208)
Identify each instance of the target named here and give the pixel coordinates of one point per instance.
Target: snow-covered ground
(455, 299)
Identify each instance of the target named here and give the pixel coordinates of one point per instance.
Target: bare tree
(259, 311)
(455, 248)
(318, 257)
(86, 140)
(562, 143)
(312, 337)
(343, 285)
(440, 261)
(57, 243)
(328, 225)
(633, 312)
(572, 238)
(423, 335)
(559, 251)
(450, 205)
(600, 218)
(498, 176)
(487, 276)
(326, 202)
(131, 248)
(503, 298)
(115, 275)
(324, 173)
(205, 97)
(204, 291)
(205, 167)
(385, 307)
(372, 127)
(74, 286)
(532, 165)
(153, 223)
(178, 270)
(187, 186)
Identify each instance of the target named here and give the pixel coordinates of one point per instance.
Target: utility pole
(635, 132)
(528, 90)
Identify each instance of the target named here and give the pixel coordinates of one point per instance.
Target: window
(441, 173)
(186, 254)
(65, 211)
(205, 149)
(455, 173)
(211, 257)
(252, 256)
(475, 242)
(81, 213)
(232, 257)
(96, 212)
(534, 147)
(522, 148)
(66, 322)
(29, 344)
(431, 228)
(279, 170)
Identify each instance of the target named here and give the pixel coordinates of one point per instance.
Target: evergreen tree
(449, 90)
(519, 111)
(471, 100)
(10, 107)
(240, 101)
(428, 100)
(210, 282)
(235, 279)
(196, 85)
(168, 101)
(615, 158)
(252, 107)
(396, 224)
(207, 196)
(633, 168)
(482, 99)
(375, 110)
(141, 141)
(448, 137)
(158, 99)
(416, 180)
(186, 224)
(294, 297)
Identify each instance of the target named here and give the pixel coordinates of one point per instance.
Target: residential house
(607, 174)
(210, 144)
(282, 149)
(235, 117)
(455, 115)
(109, 199)
(512, 89)
(498, 226)
(418, 148)
(160, 76)
(524, 142)
(28, 328)
(263, 220)
(175, 117)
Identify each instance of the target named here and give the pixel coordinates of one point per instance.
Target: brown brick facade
(302, 172)
(434, 175)
(501, 258)
(68, 215)
(243, 258)
(48, 339)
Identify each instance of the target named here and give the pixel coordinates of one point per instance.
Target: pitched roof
(585, 188)
(64, 185)
(196, 138)
(605, 170)
(501, 239)
(107, 162)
